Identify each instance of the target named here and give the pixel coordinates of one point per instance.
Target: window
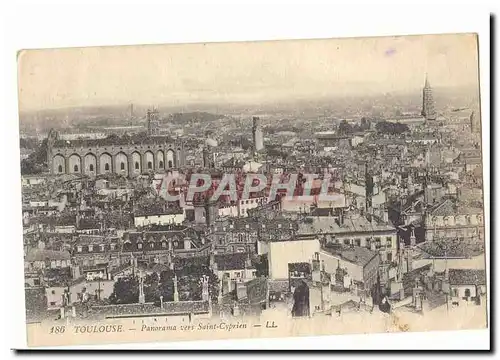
(164, 244)
(467, 293)
(53, 292)
(388, 241)
(113, 246)
(52, 303)
(357, 242)
(455, 292)
(152, 245)
(91, 248)
(160, 164)
(238, 274)
(150, 165)
(139, 246)
(91, 167)
(170, 164)
(122, 166)
(137, 165)
(75, 168)
(79, 249)
(254, 273)
(389, 257)
(106, 167)
(102, 247)
(347, 241)
(36, 282)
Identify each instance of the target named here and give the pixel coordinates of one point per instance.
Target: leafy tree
(36, 162)
(125, 291)
(261, 265)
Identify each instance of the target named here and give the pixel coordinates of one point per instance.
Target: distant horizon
(243, 72)
(284, 101)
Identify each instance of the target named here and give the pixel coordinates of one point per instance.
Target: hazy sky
(242, 72)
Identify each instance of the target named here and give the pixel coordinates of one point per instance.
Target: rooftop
(467, 277)
(355, 254)
(351, 224)
(45, 254)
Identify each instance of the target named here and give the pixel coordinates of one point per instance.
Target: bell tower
(428, 104)
(153, 120)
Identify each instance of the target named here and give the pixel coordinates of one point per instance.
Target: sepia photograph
(252, 189)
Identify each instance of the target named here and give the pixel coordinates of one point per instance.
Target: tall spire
(428, 104)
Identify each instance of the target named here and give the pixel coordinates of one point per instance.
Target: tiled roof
(356, 254)
(44, 254)
(452, 248)
(467, 277)
(328, 225)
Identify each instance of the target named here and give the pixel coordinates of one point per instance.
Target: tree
(261, 265)
(125, 291)
(36, 161)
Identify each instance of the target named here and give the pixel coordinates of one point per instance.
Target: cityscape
(314, 209)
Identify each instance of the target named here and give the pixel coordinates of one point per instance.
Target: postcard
(252, 189)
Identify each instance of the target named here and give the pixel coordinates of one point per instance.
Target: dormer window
(163, 244)
(139, 246)
(91, 248)
(102, 247)
(176, 243)
(113, 246)
(79, 249)
(152, 245)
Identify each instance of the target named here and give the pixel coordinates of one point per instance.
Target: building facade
(123, 156)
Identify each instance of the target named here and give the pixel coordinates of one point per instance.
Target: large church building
(129, 155)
